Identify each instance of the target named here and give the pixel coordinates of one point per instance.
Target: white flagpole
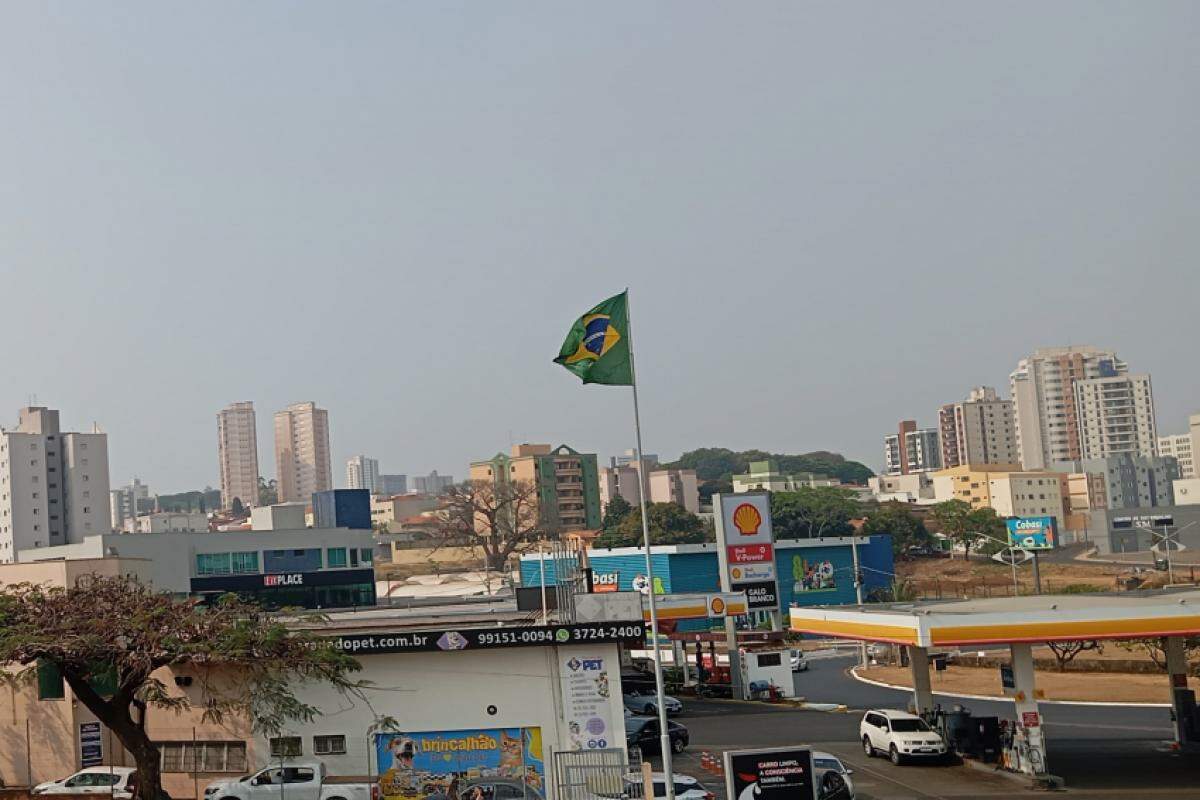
(664, 731)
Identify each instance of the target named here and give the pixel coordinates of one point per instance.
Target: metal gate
(592, 774)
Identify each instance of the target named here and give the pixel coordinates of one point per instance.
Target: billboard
(775, 773)
(746, 547)
(1031, 533)
(461, 765)
(586, 697)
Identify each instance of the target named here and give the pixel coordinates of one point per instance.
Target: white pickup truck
(294, 780)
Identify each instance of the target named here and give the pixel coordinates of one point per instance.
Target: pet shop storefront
(810, 571)
(468, 712)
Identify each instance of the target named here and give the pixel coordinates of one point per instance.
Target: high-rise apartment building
(392, 485)
(566, 482)
(53, 485)
(432, 483)
(1044, 405)
(979, 430)
(911, 449)
(237, 449)
(1124, 480)
(363, 473)
(124, 502)
(302, 452)
(1116, 417)
(1185, 447)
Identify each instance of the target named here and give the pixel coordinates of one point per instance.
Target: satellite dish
(1012, 556)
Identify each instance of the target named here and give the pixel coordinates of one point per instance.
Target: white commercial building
(123, 502)
(979, 430)
(363, 473)
(1043, 395)
(278, 517)
(914, 488)
(302, 452)
(1020, 494)
(168, 522)
(1116, 417)
(1185, 447)
(237, 450)
(53, 485)
(1187, 492)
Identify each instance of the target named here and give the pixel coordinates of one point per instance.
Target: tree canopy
(615, 512)
(716, 466)
(810, 512)
(975, 529)
(244, 661)
(496, 516)
(669, 524)
(905, 527)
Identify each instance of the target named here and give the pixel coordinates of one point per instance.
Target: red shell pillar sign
(746, 548)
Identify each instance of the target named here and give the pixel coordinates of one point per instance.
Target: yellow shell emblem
(747, 519)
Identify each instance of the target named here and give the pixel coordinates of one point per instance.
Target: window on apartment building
(50, 682)
(366, 556)
(83, 445)
(335, 557)
(87, 509)
(334, 745)
(86, 494)
(33, 445)
(286, 746)
(203, 756)
(35, 495)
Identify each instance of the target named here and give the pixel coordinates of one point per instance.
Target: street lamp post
(1166, 539)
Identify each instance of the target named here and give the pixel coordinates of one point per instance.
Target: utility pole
(862, 646)
(1037, 574)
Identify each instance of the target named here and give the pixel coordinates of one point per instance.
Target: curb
(1016, 777)
(861, 679)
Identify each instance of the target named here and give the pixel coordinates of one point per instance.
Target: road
(1101, 752)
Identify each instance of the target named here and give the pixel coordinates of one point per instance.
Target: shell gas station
(930, 627)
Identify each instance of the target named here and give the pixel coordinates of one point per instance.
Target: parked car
(302, 780)
(643, 733)
(878, 649)
(827, 762)
(496, 789)
(899, 735)
(799, 662)
(686, 787)
(115, 781)
(647, 703)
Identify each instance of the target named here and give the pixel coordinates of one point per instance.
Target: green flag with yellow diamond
(597, 347)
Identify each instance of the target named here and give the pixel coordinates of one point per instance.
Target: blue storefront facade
(811, 571)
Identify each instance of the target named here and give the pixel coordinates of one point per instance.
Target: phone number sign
(633, 633)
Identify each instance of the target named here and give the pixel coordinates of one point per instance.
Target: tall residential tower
(302, 452)
(363, 473)
(979, 430)
(237, 448)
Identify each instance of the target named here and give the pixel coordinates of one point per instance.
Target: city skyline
(823, 218)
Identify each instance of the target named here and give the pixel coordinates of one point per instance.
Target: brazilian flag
(597, 347)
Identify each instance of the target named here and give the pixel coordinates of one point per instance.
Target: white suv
(900, 735)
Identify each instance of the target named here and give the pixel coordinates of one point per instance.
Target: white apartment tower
(302, 452)
(979, 430)
(1116, 417)
(237, 448)
(53, 485)
(1184, 448)
(363, 473)
(1044, 404)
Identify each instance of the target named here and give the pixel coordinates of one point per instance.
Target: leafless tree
(1065, 652)
(497, 517)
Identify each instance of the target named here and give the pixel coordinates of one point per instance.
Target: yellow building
(1006, 489)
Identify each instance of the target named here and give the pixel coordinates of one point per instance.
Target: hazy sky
(830, 215)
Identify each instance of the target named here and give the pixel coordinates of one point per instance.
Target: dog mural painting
(480, 764)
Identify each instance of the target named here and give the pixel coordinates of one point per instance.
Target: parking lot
(1103, 753)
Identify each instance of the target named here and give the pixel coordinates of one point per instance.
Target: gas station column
(1029, 720)
(918, 660)
(1183, 700)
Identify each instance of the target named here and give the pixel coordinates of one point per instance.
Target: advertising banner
(605, 581)
(1031, 533)
(752, 572)
(750, 553)
(632, 633)
(777, 773)
(587, 705)
(761, 594)
(812, 576)
(476, 764)
(91, 745)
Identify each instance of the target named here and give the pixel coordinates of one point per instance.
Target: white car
(900, 735)
(647, 704)
(686, 787)
(799, 662)
(827, 762)
(115, 781)
(298, 780)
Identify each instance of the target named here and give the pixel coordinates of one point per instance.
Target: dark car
(496, 789)
(643, 733)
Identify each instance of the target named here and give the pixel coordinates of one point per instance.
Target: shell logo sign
(716, 606)
(747, 519)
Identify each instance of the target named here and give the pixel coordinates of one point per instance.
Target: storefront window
(212, 563)
(336, 556)
(244, 562)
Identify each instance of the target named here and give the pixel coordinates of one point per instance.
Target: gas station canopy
(1005, 620)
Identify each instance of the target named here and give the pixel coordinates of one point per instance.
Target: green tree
(716, 466)
(905, 527)
(615, 512)
(978, 529)
(268, 492)
(237, 507)
(811, 512)
(669, 524)
(990, 530)
(953, 520)
(130, 633)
